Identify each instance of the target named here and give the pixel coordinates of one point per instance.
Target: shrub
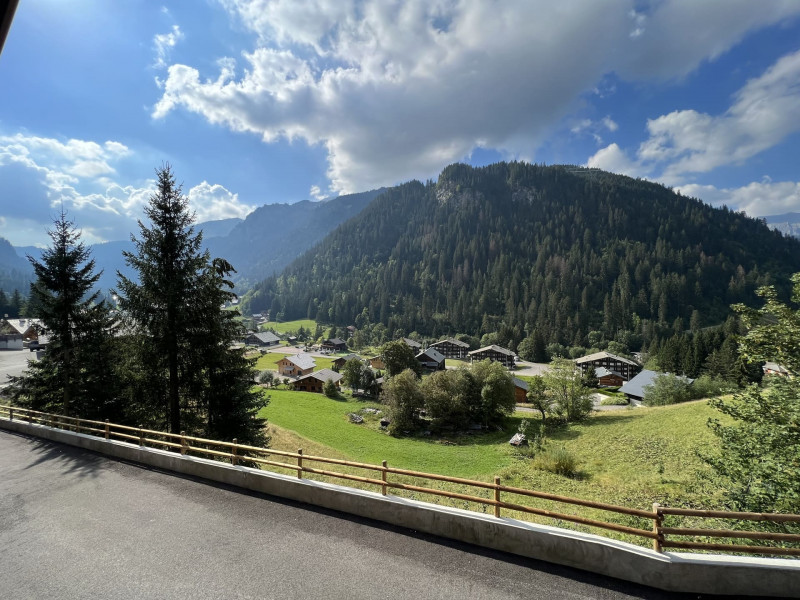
(266, 377)
(557, 460)
(329, 389)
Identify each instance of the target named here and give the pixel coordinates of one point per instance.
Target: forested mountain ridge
(560, 250)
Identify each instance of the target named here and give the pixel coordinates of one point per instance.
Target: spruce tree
(75, 375)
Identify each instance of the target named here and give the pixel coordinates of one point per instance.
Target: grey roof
(775, 368)
(267, 337)
(431, 353)
(347, 357)
(635, 387)
(412, 343)
(451, 341)
(334, 342)
(521, 383)
(23, 325)
(604, 354)
(323, 375)
(302, 361)
(499, 349)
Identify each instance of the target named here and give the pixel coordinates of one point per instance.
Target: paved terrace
(74, 524)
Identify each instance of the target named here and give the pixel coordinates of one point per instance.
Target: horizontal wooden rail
(732, 548)
(237, 454)
(721, 514)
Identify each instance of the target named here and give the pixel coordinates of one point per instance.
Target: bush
(266, 377)
(329, 389)
(557, 460)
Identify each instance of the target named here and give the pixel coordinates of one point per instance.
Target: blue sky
(262, 101)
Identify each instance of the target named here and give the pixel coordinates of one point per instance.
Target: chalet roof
(602, 355)
(603, 372)
(302, 361)
(333, 342)
(412, 343)
(499, 349)
(635, 387)
(322, 375)
(432, 354)
(22, 325)
(775, 368)
(344, 359)
(266, 337)
(521, 383)
(451, 341)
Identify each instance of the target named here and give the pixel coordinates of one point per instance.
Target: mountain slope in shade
(15, 271)
(561, 250)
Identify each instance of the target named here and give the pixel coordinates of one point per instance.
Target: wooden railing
(378, 476)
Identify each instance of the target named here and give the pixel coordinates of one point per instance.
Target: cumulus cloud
(762, 113)
(316, 193)
(395, 90)
(163, 43)
(214, 202)
(757, 199)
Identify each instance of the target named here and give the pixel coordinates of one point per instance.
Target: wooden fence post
(108, 432)
(497, 496)
(300, 463)
(141, 436)
(383, 478)
(234, 458)
(183, 443)
(658, 521)
(10, 414)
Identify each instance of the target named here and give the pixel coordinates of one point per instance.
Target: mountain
(564, 251)
(258, 246)
(275, 234)
(15, 271)
(787, 223)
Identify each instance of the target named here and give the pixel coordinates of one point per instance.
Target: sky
(261, 101)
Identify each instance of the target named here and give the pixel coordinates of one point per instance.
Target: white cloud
(214, 202)
(397, 90)
(757, 199)
(163, 43)
(316, 193)
(613, 158)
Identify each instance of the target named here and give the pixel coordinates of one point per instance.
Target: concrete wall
(681, 572)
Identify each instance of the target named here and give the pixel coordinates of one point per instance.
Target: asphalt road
(74, 524)
(13, 362)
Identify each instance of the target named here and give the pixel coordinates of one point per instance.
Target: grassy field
(290, 325)
(270, 361)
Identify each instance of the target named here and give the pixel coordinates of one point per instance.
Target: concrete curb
(678, 572)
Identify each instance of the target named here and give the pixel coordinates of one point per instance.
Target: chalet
(334, 345)
(296, 365)
(27, 328)
(502, 355)
(376, 362)
(431, 359)
(611, 362)
(771, 368)
(351, 329)
(634, 390)
(415, 346)
(520, 390)
(292, 340)
(451, 348)
(263, 338)
(342, 360)
(10, 341)
(606, 378)
(314, 381)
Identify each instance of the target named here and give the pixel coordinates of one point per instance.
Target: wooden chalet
(415, 346)
(625, 367)
(314, 382)
(334, 345)
(296, 365)
(520, 390)
(263, 338)
(451, 348)
(431, 359)
(340, 362)
(606, 378)
(376, 362)
(496, 353)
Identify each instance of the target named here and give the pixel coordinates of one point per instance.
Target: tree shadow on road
(68, 459)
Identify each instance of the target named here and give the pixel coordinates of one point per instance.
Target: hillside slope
(562, 250)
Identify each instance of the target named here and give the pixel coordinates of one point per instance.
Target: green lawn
(633, 457)
(270, 361)
(290, 325)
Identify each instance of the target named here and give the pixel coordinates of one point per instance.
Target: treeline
(515, 248)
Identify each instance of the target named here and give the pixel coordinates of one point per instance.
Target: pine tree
(75, 376)
(168, 262)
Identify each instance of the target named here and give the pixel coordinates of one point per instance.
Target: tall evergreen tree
(75, 376)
